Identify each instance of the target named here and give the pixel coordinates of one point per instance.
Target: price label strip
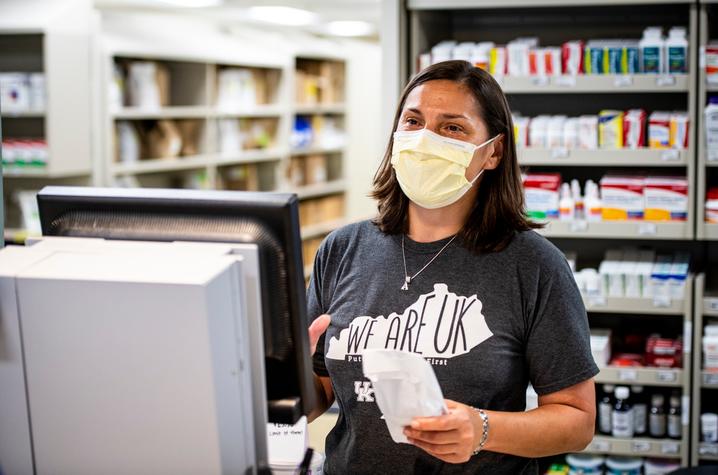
(671, 155)
(667, 376)
(647, 229)
(641, 446)
(668, 448)
(708, 449)
(600, 446)
(566, 81)
(665, 81)
(623, 81)
(628, 375)
(710, 379)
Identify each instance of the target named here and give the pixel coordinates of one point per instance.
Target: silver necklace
(407, 278)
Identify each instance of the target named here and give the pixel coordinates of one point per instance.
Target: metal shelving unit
(635, 230)
(668, 377)
(420, 24)
(55, 41)
(637, 447)
(560, 157)
(704, 230)
(586, 84)
(706, 307)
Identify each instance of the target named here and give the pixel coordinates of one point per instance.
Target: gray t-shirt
(489, 324)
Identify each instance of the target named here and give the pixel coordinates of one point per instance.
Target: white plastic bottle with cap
(592, 204)
(652, 51)
(578, 200)
(566, 205)
(677, 51)
(711, 126)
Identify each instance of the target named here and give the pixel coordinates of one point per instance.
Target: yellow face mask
(431, 169)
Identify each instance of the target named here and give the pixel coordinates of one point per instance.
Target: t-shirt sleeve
(315, 307)
(558, 351)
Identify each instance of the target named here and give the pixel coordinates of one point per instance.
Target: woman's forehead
(443, 96)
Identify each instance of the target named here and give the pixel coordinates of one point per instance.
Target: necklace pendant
(407, 281)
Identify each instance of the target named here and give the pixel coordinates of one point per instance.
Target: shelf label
(600, 446)
(623, 81)
(578, 226)
(647, 229)
(708, 449)
(628, 375)
(670, 448)
(666, 376)
(539, 80)
(671, 155)
(641, 446)
(712, 156)
(702, 57)
(597, 301)
(559, 152)
(661, 301)
(710, 379)
(566, 81)
(686, 410)
(664, 81)
(712, 304)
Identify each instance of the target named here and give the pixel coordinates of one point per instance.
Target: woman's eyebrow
(453, 116)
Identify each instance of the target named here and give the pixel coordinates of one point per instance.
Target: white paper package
(405, 387)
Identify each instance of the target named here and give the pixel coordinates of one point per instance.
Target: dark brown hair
(499, 210)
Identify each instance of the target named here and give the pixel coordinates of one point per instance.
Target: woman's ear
(497, 152)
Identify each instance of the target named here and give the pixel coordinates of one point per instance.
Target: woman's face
(449, 109)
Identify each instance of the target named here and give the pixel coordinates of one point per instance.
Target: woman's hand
(318, 326)
(452, 437)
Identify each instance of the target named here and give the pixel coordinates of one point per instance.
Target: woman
(451, 269)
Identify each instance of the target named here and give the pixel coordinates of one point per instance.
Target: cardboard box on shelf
(332, 207)
(162, 141)
(315, 169)
(241, 178)
(189, 130)
(295, 171)
(309, 212)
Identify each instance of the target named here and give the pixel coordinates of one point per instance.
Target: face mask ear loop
(478, 147)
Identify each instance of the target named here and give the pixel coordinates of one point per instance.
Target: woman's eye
(412, 121)
(453, 128)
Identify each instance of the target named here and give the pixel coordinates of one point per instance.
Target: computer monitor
(269, 220)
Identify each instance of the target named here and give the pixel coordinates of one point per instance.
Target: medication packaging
(572, 58)
(659, 130)
(711, 126)
(634, 129)
(712, 206)
(521, 131)
(666, 198)
(538, 131)
(610, 129)
(622, 197)
(588, 132)
(652, 51)
(571, 133)
(542, 195)
(677, 51)
(711, 62)
(679, 130)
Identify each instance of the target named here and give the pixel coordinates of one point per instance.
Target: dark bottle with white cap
(640, 410)
(675, 427)
(622, 417)
(657, 418)
(605, 408)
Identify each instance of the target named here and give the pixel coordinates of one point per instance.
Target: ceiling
(236, 10)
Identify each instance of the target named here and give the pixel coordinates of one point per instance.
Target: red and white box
(666, 198)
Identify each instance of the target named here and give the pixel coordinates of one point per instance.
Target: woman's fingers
(434, 437)
(318, 326)
(435, 449)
